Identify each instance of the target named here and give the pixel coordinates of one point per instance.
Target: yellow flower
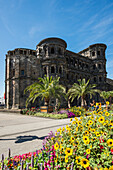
(91, 146)
(90, 122)
(87, 125)
(88, 151)
(56, 146)
(107, 121)
(67, 127)
(72, 139)
(92, 117)
(86, 132)
(63, 129)
(76, 129)
(101, 119)
(97, 134)
(89, 128)
(107, 103)
(107, 114)
(73, 122)
(71, 119)
(106, 169)
(84, 162)
(68, 151)
(66, 158)
(110, 142)
(111, 168)
(76, 119)
(55, 133)
(75, 134)
(93, 130)
(78, 159)
(86, 139)
(62, 140)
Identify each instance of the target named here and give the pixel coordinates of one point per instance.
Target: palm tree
(81, 90)
(46, 88)
(106, 94)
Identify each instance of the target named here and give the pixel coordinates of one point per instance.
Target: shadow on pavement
(21, 139)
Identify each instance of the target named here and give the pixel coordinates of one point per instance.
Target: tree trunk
(82, 101)
(56, 105)
(69, 105)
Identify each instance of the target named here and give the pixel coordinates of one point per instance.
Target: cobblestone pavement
(24, 134)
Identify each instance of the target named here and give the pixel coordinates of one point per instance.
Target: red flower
(111, 151)
(101, 147)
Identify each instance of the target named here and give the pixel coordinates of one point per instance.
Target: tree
(46, 88)
(106, 94)
(81, 89)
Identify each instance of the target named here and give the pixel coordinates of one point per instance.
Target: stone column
(16, 86)
(7, 83)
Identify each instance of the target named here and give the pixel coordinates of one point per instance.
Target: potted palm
(46, 88)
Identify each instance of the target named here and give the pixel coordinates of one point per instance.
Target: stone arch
(52, 50)
(52, 69)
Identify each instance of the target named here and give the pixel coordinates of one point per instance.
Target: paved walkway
(24, 134)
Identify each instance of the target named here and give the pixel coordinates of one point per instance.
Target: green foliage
(106, 94)
(46, 88)
(78, 111)
(81, 89)
(51, 115)
(31, 111)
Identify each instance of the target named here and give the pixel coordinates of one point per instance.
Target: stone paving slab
(23, 133)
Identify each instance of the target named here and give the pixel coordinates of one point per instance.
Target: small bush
(78, 111)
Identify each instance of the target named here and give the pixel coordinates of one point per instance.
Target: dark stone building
(24, 66)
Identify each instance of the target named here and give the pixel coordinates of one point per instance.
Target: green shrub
(78, 111)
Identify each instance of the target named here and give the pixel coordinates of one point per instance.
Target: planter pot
(46, 109)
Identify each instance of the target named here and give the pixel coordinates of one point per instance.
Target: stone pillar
(47, 71)
(7, 83)
(15, 84)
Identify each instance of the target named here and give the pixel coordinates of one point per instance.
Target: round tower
(51, 53)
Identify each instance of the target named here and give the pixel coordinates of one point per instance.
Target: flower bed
(61, 114)
(86, 143)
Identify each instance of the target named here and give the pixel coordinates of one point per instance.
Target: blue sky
(24, 23)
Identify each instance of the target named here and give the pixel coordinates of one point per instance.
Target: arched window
(98, 52)
(60, 70)
(45, 70)
(94, 67)
(22, 72)
(95, 79)
(93, 53)
(59, 51)
(52, 50)
(99, 66)
(40, 50)
(52, 69)
(100, 79)
(67, 76)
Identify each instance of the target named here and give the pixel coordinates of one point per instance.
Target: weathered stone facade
(24, 66)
